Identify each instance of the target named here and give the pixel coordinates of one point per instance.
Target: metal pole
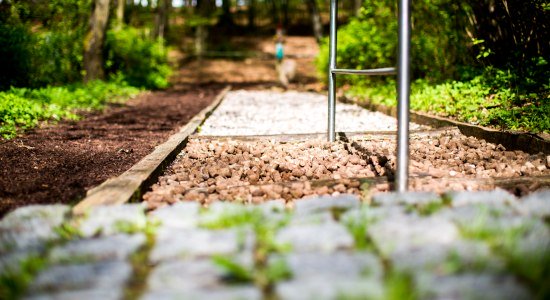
(403, 92)
(331, 75)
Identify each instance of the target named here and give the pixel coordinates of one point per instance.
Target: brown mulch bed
(59, 163)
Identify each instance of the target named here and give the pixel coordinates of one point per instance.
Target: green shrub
(142, 61)
(370, 41)
(15, 55)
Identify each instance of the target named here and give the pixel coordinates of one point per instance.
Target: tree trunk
(285, 14)
(226, 19)
(251, 13)
(275, 12)
(205, 9)
(120, 12)
(93, 42)
(315, 20)
(161, 19)
(357, 7)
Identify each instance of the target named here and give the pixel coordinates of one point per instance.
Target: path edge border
(130, 185)
(527, 142)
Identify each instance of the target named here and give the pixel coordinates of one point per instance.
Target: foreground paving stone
(405, 198)
(91, 294)
(195, 279)
(324, 238)
(116, 247)
(410, 232)
(497, 197)
(190, 243)
(180, 215)
(537, 204)
(102, 276)
(447, 259)
(31, 226)
(357, 276)
(470, 286)
(108, 220)
(326, 203)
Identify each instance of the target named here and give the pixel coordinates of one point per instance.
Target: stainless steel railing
(403, 86)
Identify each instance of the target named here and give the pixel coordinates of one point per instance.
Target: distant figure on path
(286, 68)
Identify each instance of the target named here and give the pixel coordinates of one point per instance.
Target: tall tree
(284, 7)
(205, 9)
(226, 19)
(120, 12)
(94, 40)
(161, 19)
(251, 13)
(357, 7)
(315, 19)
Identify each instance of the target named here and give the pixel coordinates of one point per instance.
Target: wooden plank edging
(131, 184)
(527, 142)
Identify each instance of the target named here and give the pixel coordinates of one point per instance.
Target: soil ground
(59, 163)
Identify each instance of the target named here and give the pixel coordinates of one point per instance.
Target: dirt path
(58, 163)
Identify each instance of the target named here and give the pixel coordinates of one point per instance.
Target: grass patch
(488, 99)
(23, 108)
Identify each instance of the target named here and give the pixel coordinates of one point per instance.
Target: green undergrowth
(24, 108)
(488, 99)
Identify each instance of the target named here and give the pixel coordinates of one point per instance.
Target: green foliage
(22, 108)
(492, 98)
(142, 60)
(400, 286)
(15, 50)
(14, 282)
(41, 42)
(235, 272)
(370, 41)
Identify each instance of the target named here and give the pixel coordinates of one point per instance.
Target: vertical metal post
(403, 92)
(332, 76)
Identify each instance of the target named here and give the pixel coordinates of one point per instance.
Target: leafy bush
(490, 98)
(370, 41)
(22, 108)
(15, 52)
(142, 61)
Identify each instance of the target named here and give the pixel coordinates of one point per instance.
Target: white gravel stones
(410, 232)
(195, 243)
(108, 220)
(194, 279)
(325, 238)
(266, 112)
(471, 286)
(30, 226)
(357, 276)
(100, 276)
(116, 247)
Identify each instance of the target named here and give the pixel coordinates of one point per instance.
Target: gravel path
(266, 112)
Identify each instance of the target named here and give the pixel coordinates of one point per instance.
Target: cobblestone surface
(492, 246)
